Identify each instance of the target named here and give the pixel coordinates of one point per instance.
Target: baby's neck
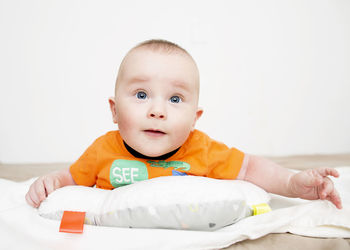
(139, 155)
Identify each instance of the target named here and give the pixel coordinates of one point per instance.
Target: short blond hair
(161, 45)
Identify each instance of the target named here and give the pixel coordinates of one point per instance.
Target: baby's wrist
(291, 186)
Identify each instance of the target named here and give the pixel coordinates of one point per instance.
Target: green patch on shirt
(125, 172)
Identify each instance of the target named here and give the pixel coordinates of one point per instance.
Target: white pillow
(173, 202)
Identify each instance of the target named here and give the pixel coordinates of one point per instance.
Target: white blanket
(22, 228)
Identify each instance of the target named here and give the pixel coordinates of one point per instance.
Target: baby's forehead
(139, 62)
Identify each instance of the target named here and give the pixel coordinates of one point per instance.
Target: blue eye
(141, 95)
(175, 99)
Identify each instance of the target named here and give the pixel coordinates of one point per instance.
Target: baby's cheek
(181, 133)
(128, 116)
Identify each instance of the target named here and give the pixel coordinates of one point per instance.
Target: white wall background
(275, 75)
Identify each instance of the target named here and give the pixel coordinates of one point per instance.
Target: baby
(156, 109)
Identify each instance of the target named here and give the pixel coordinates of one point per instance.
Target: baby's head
(156, 97)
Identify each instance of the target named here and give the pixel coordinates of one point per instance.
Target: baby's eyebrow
(180, 84)
(142, 79)
(138, 80)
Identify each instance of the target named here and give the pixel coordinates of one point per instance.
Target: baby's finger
(40, 192)
(51, 185)
(327, 171)
(334, 197)
(326, 188)
(29, 200)
(32, 197)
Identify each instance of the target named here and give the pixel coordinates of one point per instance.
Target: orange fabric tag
(72, 222)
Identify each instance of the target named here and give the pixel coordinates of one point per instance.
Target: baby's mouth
(154, 132)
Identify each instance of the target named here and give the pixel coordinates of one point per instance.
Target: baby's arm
(46, 184)
(310, 184)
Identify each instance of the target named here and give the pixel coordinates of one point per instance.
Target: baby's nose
(157, 115)
(157, 112)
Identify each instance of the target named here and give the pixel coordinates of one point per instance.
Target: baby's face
(156, 102)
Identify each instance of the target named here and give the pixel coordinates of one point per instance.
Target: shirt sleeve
(84, 171)
(224, 162)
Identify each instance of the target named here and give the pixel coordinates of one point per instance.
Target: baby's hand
(314, 184)
(41, 188)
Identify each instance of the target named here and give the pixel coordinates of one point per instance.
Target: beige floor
(313, 161)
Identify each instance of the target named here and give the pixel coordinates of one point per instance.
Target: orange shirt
(108, 164)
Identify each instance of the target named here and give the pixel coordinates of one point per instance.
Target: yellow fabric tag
(261, 209)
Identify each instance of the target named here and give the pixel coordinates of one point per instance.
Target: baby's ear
(198, 115)
(111, 101)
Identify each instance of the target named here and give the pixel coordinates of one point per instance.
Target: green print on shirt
(125, 172)
(180, 165)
